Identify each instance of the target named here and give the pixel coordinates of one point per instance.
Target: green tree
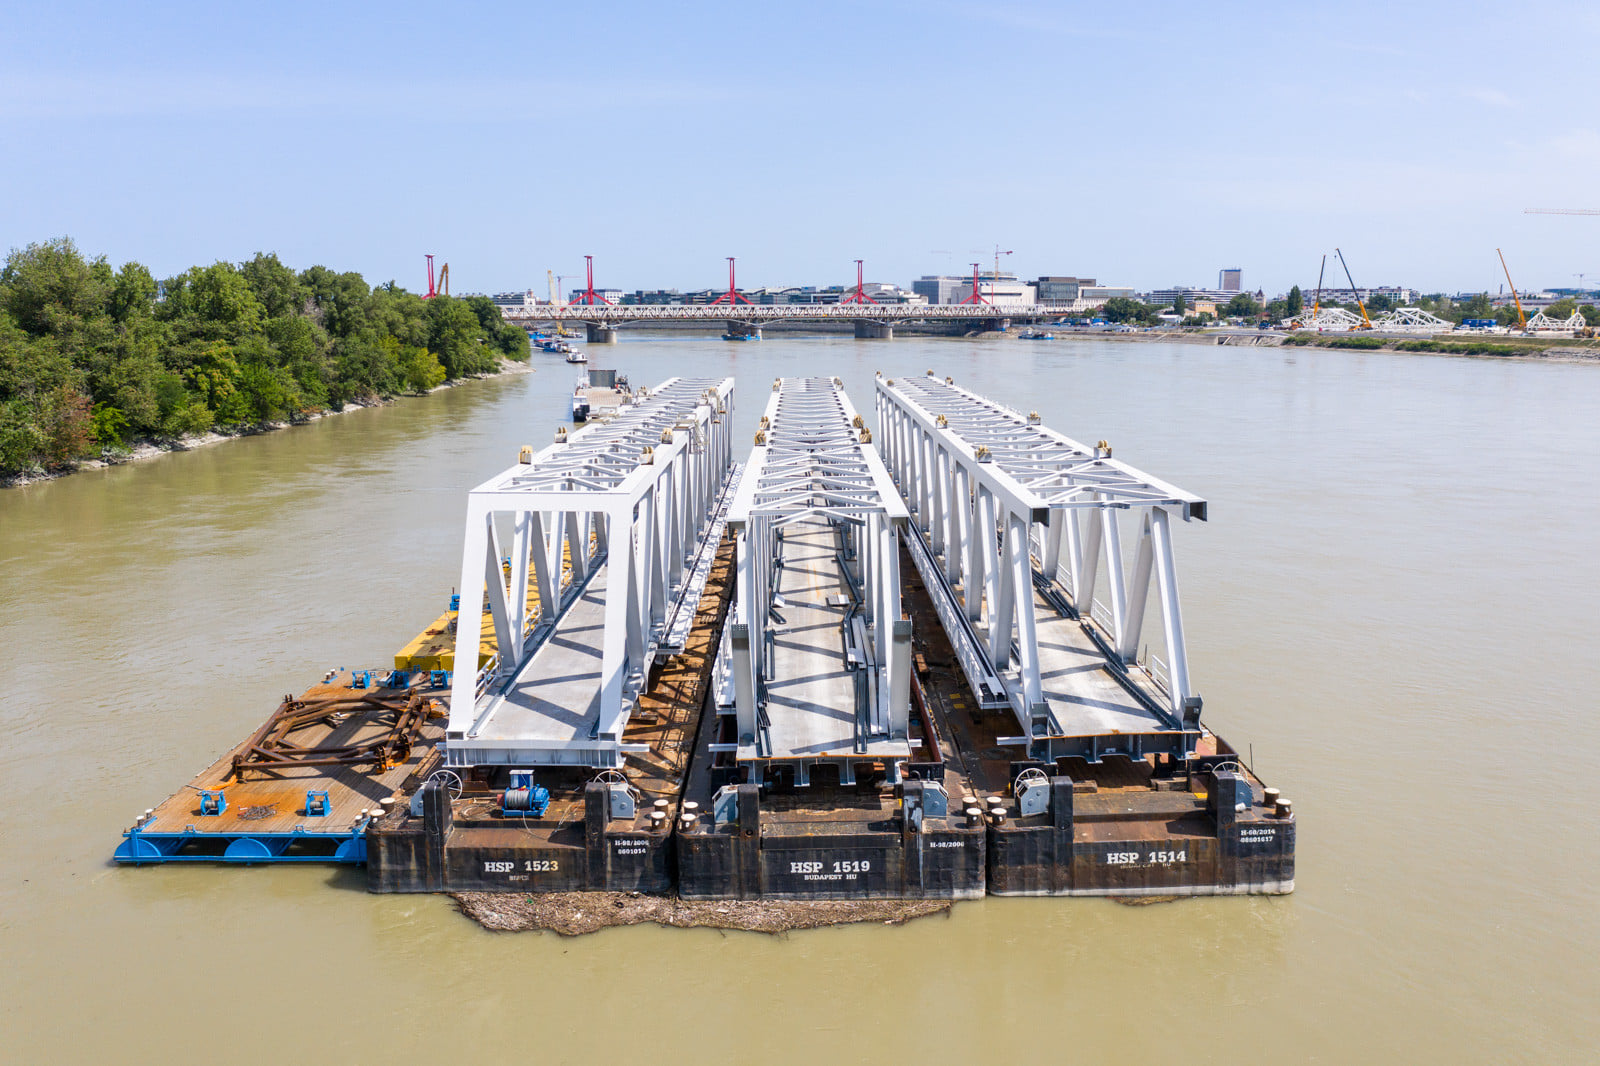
(1122, 309)
(418, 369)
(1295, 303)
(1378, 303)
(340, 300)
(1178, 304)
(1479, 306)
(1562, 308)
(457, 339)
(278, 289)
(211, 303)
(133, 293)
(1242, 306)
(51, 287)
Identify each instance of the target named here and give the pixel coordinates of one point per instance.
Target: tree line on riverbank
(92, 358)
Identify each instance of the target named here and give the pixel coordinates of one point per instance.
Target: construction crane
(1521, 318)
(556, 281)
(1366, 323)
(995, 277)
(443, 288)
(1316, 305)
(1561, 211)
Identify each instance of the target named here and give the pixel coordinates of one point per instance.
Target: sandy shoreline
(144, 450)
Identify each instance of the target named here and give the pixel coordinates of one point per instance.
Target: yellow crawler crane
(1366, 323)
(1522, 319)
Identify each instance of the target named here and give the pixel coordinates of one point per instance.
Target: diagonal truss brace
(1010, 504)
(813, 459)
(634, 493)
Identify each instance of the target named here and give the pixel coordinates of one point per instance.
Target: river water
(1393, 605)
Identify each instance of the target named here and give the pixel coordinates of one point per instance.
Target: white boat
(575, 355)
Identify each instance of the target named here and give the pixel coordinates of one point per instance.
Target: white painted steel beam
(1012, 507)
(816, 512)
(603, 523)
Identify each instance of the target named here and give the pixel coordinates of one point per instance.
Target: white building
(999, 289)
(514, 301)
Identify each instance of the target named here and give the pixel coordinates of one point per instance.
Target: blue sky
(1145, 144)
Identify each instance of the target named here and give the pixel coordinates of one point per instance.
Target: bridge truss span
(820, 653)
(576, 557)
(610, 314)
(1021, 525)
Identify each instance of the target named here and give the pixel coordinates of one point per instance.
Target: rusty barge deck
(850, 732)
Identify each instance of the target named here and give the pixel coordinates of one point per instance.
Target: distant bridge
(871, 320)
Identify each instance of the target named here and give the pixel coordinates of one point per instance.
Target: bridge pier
(870, 330)
(600, 333)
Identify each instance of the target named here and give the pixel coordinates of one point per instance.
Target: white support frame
(813, 459)
(1007, 507)
(1411, 320)
(635, 491)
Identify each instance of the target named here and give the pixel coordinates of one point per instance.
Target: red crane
(430, 293)
(858, 297)
(977, 293)
(732, 295)
(590, 297)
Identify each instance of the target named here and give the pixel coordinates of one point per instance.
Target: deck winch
(523, 797)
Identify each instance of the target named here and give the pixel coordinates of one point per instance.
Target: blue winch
(523, 798)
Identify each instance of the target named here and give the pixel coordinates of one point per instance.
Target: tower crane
(556, 282)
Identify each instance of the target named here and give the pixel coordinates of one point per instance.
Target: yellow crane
(555, 281)
(1366, 323)
(1521, 318)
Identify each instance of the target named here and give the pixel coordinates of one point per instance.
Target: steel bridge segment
(1020, 521)
(613, 313)
(604, 529)
(817, 649)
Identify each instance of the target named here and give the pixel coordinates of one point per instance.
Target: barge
(900, 661)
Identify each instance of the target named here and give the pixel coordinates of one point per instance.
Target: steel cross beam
(630, 496)
(1009, 504)
(813, 468)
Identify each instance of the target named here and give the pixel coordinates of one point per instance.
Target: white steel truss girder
(606, 518)
(1412, 319)
(1010, 506)
(813, 469)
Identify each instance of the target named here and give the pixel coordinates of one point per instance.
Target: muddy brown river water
(1394, 603)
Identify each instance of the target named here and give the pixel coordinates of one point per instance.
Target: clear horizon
(511, 140)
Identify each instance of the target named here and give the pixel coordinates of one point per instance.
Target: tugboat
(1036, 335)
(553, 344)
(575, 355)
(580, 401)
